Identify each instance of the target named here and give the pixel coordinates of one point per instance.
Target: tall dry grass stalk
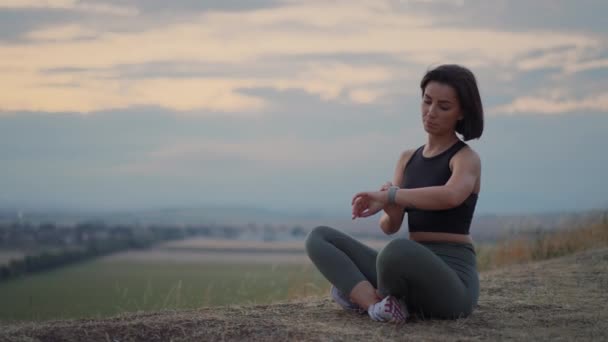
(542, 245)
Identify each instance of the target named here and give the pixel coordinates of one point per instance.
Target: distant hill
(561, 299)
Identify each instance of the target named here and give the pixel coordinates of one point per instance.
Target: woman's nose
(431, 111)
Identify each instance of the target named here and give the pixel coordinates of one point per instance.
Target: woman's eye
(444, 108)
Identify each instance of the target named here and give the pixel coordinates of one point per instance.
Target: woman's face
(440, 108)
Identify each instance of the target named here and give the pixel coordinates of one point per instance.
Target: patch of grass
(103, 288)
(543, 245)
(111, 286)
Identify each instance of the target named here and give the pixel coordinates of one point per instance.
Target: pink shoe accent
(390, 309)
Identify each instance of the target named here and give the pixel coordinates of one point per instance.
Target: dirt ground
(561, 299)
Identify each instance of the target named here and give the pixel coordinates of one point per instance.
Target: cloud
(205, 155)
(363, 96)
(64, 32)
(38, 3)
(568, 59)
(74, 5)
(248, 39)
(185, 6)
(523, 16)
(553, 105)
(70, 94)
(601, 63)
(90, 91)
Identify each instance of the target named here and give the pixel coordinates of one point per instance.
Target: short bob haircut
(463, 82)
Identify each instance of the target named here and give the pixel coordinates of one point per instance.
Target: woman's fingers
(367, 212)
(359, 194)
(371, 207)
(358, 206)
(362, 205)
(386, 186)
(354, 209)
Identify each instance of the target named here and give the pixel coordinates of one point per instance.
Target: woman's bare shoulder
(405, 157)
(468, 153)
(399, 170)
(467, 156)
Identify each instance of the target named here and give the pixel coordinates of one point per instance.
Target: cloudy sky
(296, 105)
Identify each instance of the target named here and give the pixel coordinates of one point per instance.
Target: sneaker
(390, 309)
(343, 300)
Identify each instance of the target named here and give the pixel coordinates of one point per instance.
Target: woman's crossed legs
(403, 269)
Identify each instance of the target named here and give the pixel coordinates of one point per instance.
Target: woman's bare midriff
(440, 237)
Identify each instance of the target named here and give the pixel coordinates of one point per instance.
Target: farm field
(108, 287)
(178, 275)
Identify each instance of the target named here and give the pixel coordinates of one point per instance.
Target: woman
(434, 272)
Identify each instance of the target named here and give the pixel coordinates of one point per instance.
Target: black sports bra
(421, 171)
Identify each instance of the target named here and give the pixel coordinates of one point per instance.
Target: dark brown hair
(464, 83)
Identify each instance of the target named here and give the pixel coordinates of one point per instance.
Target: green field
(202, 273)
(187, 277)
(108, 287)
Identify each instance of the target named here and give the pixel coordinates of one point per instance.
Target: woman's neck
(437, 144)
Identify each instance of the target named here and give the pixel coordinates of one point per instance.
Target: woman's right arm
(392, 218)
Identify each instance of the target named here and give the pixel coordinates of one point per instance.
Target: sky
(291, 105)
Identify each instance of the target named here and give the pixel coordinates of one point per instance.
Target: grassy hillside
(202, 273)
(108, 287)
(561, 299)
(542, 245)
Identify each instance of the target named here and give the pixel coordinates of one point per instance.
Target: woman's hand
(366, 204)
(386, 186)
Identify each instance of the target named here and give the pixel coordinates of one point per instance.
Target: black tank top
(421, 172)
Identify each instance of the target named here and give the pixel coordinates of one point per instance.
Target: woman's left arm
(466, 170)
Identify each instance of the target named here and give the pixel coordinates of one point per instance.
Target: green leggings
(435, 279)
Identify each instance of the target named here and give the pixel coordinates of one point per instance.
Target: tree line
(48, 246)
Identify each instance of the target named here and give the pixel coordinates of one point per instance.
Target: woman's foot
(390, 309)
(343, 300)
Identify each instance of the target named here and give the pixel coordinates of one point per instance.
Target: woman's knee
(316, 236)
(397, 254)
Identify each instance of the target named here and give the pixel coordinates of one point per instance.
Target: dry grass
(543, 245)
(562, 299)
